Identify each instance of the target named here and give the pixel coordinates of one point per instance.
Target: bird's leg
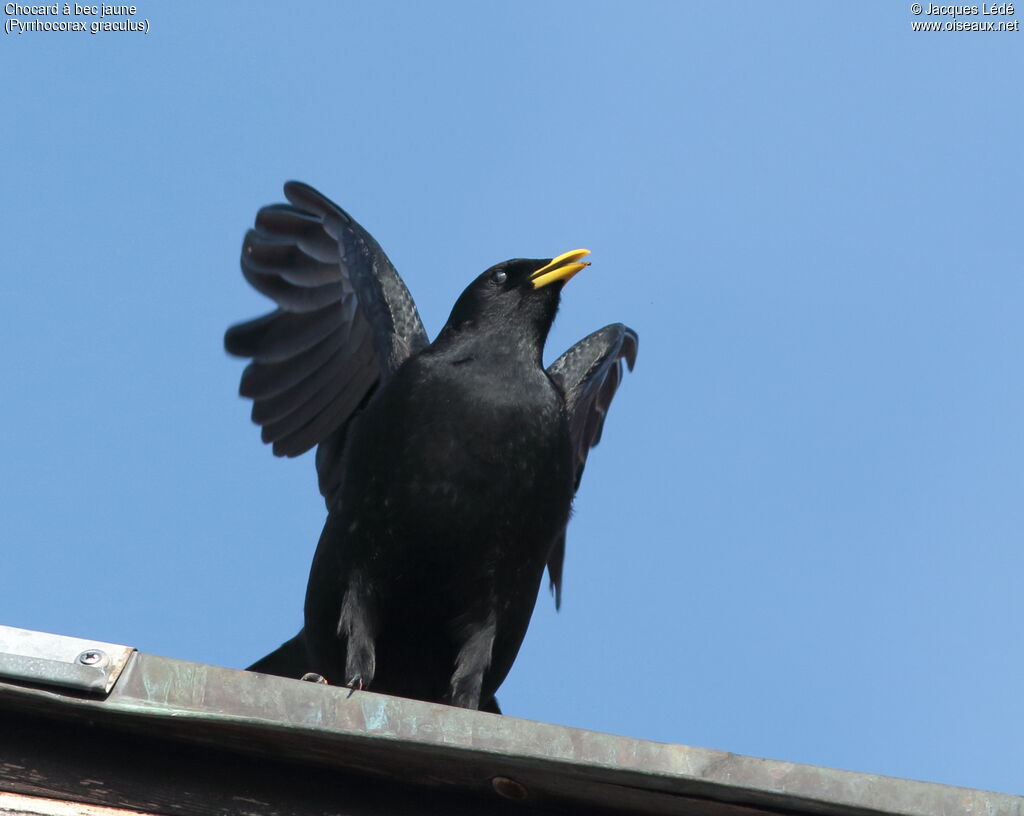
(357, 626)
(473, 661)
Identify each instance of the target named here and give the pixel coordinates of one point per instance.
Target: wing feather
(344, 322)
(589, 374)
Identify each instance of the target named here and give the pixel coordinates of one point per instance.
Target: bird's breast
(461, 453)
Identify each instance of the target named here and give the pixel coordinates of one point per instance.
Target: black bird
(448, 468)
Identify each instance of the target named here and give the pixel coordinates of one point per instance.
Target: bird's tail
(287, 660)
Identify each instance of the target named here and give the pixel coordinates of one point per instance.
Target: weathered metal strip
(433, 745)
(40, 658)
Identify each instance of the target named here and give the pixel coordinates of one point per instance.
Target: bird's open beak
(560, 269)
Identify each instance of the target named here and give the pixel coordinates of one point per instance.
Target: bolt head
(509, 788)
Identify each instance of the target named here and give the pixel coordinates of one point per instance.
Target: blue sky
(800, 537)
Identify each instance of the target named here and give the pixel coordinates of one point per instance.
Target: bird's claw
(355, 684)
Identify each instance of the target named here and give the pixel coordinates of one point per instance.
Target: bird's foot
(313, 677)
(355, 684)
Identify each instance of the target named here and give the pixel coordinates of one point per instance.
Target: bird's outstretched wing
(589, 374)
(344, 322)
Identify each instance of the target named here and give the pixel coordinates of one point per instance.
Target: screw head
(91, 657)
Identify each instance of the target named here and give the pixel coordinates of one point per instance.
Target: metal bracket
(43, 659)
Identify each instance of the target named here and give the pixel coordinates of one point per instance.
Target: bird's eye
(499, 276)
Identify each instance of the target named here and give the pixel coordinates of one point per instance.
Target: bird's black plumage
(448, 468)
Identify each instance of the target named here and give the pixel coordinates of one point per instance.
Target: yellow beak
(560, 269)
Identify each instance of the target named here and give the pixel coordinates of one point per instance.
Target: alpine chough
(448, 468)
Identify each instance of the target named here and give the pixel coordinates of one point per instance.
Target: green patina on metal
(436, 745)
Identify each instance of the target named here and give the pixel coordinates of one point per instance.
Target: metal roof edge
(390, 737)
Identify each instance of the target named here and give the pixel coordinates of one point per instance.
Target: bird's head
(517, 298)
